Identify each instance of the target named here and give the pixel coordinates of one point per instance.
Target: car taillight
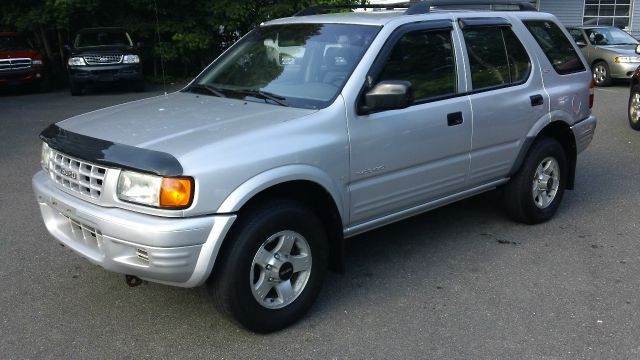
(592, 86)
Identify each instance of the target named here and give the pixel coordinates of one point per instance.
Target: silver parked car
(310, 130)
(610, 51)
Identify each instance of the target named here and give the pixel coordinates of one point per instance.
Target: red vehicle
(21, 63)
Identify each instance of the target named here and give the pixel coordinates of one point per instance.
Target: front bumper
(622, 70)
(22, 76)
(118, 240)
(583, 132)
(105, 73)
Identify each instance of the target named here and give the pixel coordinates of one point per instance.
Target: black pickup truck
(103, 55)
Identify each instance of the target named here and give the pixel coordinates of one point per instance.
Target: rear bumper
(118, 240)
(583, 132)
(105, 73)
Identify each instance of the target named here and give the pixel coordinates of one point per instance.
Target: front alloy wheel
(601, 74)
(272, 266)
(280, 269)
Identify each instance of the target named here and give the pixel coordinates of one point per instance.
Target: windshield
(609, 36)
(103, 38)
(14, 43)
(299, 65)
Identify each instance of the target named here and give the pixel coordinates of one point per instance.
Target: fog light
(142, 255)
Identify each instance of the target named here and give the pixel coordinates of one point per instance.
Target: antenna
(164, 81)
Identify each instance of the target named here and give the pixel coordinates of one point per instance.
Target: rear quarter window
(556, 46)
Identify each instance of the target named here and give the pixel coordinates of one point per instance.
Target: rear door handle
(455, 118)
(536, 100)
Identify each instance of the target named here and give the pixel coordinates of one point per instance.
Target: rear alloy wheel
(601, 75)
(546, 182)
(272, 266)
(634, 108)
(534, 193)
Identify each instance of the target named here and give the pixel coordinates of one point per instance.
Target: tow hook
(132, 280)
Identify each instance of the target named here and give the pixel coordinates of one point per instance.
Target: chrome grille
(78, 176)
(103, 59)
(15, 64)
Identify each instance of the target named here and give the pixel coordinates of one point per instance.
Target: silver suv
(310, 130)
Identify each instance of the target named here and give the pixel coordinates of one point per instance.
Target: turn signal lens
(176, 192)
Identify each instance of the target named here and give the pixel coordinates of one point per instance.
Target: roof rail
(416, 7)
(315, 10)
(423, 7)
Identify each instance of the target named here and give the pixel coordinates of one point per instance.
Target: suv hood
(179, 122)
(14, 54)
(102, 49)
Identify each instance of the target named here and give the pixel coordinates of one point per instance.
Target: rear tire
(534, 193)
(634, 108)
(272, 267)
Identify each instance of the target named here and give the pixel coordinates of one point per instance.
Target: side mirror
(388, 95)
(581, 43)
(140, 45)
(67, 48)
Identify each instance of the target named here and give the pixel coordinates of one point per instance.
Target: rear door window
(496, 57)
(556, 46)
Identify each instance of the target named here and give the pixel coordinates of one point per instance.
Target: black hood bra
(111, 154)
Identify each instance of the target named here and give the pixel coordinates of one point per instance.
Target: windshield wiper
(210, 88)
(264, 95)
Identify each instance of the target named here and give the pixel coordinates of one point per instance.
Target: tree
(188, 34)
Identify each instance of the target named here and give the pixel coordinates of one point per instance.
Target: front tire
(601, 74)
(534, 193)
(634, 108)
(272, 269)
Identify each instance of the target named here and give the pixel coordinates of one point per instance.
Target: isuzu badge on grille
(69, 174)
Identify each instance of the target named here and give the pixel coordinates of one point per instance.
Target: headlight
(156, 191)
(131, 59)
(76, 61)
(627, 59)
(36, 62)
(46, 155)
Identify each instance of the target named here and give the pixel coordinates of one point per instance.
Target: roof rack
(423, 7)
(315, 10)
(417, 7)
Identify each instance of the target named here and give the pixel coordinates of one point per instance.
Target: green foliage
(187, 33)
